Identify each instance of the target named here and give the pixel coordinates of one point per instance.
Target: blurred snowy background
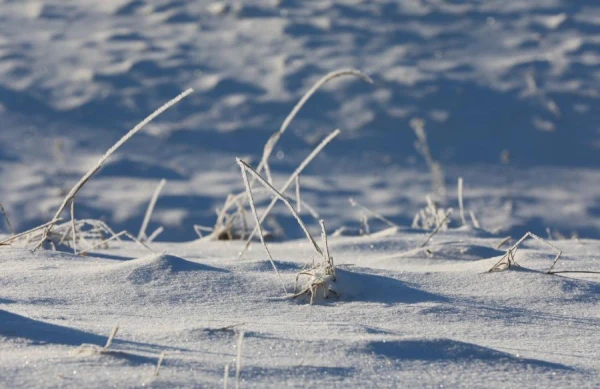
(508, 92)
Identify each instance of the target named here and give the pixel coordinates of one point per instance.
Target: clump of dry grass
(432, 217)
(230, 223)
(322, 276)
(508, 260)
(47, 228)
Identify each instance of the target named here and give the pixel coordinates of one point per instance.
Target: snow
(508, 96)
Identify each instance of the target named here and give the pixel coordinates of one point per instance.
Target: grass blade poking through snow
(270, 145)
(260, 233)
(73, 192)
(142, 234)
(289, 183)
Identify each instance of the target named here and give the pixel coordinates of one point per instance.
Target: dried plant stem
(238, 360)
(5, 215)
(289, 182)
(474, 220)
(284, 200)
(270, 145)
(142, 234)
(372, 213)
(504, 241)
(111, 338)
(73, 192)
(460, 201)
(25, 233)
(298, 202)
(73, 230)
(509, 257)
(448, 213)
(156, 233)
(133, 238)
(159, 364)
(260, 233)
(115, 236)
(226, 376)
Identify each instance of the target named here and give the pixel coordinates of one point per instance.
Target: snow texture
(504, 94)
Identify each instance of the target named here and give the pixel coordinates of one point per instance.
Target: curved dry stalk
(108, 153)
(270, 145)
(290, 181)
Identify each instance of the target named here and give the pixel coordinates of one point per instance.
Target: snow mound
(155, 267)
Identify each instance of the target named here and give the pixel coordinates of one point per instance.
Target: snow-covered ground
(507, 93)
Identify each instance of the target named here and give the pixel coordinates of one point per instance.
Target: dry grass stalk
(422, 146)
(504, 241)
(159, 364)
(460, 201)
(298, 202)
(92, 349)
(238, 360)
(154, 234)
(508, 260)
(291, 180)
(28, 232)
(74, 231)
(142, 234)
(8, 224)
(260, 234)
(474, 220)
(272, 141)
(439, 226)
(373, 214)
(226, 376)
(281, 197)
(73, 192)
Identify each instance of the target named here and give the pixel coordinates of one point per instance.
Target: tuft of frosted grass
(142, 234)
(321, 276)
(272, 141)
(431, 216)
(443, 222)
(77, 187)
